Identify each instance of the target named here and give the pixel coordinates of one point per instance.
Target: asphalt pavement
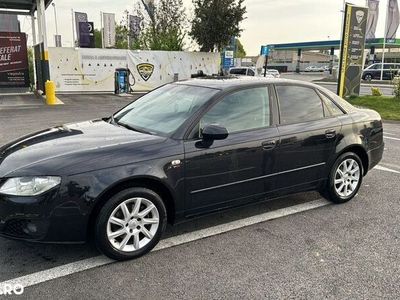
(349, 251)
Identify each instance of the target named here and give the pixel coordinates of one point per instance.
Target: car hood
(74, 148)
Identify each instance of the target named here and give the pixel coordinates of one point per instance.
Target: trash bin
(121, 81)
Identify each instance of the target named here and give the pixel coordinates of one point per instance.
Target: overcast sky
(267, 21)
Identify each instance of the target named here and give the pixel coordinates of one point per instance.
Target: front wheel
(130, 224)
(345, 178)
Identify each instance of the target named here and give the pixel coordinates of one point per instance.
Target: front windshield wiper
(112, 120)
(127, 126)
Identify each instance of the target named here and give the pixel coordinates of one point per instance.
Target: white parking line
(386, 169)
(389, 165)
(90, 263)
(391, 138)
(390, 133)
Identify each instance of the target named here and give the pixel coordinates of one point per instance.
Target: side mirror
(214, 132)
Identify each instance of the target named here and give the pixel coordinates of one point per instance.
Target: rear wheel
(368, 77)
(345, 178)
(130, 224)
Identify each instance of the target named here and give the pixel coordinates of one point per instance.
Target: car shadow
(19, 258)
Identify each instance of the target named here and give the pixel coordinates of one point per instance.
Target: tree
(98, 39)
(216, 22)
(240, 52)
(121, 41)
(165, 27)
(122, 32)
(121, 36)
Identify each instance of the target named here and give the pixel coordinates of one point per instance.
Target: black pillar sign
(352, 51)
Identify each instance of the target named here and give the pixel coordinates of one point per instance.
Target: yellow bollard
(50, 93)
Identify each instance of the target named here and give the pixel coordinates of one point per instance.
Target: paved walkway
(17, 100)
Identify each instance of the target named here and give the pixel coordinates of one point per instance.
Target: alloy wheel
(132, 224)
(347, 177)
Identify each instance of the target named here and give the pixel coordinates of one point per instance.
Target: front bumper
(45, 218)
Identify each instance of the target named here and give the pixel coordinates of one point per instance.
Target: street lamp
(57, 37)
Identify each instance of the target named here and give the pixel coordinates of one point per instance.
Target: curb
(58, 101)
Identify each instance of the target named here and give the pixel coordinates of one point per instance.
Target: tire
(368, 77)
(347, 164)
(131, 232)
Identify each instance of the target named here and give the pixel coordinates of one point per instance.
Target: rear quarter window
(343, 104)
(330, 108)
(250, 72)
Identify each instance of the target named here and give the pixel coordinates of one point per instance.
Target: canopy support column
(298, 60)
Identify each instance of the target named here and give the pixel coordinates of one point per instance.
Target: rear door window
(299, 104)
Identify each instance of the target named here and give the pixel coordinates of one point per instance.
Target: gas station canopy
(39, 40)
(331, 44)
(20, 7)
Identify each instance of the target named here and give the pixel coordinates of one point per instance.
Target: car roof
(385, 63)
(226, 82)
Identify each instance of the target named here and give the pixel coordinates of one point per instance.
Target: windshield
(164, 110)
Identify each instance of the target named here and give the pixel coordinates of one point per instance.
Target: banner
(392, 20)
(109, 30)
(352, 50)
(93, 70)
(373, 16)
(86, 31)
(79, 17)
(14, 70)
(134, 26)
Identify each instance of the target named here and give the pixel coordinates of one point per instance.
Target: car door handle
(269, 145)
(330, 134)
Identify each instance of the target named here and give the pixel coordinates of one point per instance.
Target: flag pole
(73, 28)
(129, 29)
(384, 39)
(343, 11)
(101, 30)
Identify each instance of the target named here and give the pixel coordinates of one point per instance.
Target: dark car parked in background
(183, 150)
(374, 71)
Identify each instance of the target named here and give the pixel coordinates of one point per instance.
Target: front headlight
(29, 186)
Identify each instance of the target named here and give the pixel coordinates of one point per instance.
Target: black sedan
(183, 150)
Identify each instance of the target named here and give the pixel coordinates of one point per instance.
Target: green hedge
(387, 107)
